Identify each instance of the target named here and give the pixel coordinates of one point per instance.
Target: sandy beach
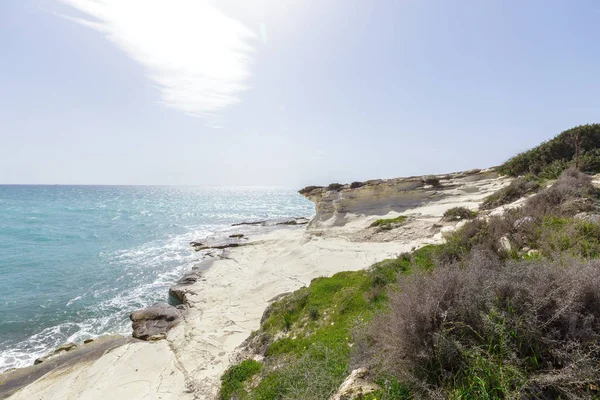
(227, 303)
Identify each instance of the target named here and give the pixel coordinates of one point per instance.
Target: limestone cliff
(379, 197)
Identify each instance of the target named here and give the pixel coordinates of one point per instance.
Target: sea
(75, 261)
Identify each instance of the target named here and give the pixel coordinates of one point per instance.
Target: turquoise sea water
(76, 260)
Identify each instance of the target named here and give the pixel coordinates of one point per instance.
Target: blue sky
(280, 92)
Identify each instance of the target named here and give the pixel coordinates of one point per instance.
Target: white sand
(229, 301)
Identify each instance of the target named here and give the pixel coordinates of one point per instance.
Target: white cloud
(198, 57)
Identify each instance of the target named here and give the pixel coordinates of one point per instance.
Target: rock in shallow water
(153, 323)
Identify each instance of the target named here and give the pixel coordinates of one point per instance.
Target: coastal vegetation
(459, 213)
(518, 188)
(507, 307)
(389, 223)
(578, 147)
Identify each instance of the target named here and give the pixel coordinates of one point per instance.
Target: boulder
(153, 323)
(181, 288)
(505, 244)
(355, 386)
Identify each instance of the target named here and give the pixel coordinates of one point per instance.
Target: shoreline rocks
(153, 323)
(181, 287)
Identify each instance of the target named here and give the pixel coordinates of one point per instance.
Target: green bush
(432, 180)
(389, 223)
(232, 381)
(550, 158)
(459, 213)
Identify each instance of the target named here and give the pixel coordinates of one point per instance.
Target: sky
(286, 92)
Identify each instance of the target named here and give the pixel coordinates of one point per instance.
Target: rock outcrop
(153, 323)
(379, 197)
(355, 386)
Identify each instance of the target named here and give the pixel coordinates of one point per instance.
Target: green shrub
(355, 185)
(459, 213)
(232, 381)
(550, 158)
(389, 223)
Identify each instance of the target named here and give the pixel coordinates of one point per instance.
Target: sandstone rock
(181, 288)
(505, 244)
(355, 386)
(153, 323)
(379, 197)
(588, 217)
(447, 231)
(237, 236)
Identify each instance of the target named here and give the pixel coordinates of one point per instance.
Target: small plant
(233, 380)
(389, 223)
(313, 312)
(431, 180)
(459, 213)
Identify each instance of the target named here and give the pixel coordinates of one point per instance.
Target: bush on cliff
(579, 145)
(308, 189)
(335, 186)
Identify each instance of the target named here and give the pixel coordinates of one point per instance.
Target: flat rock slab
(12, 381)
(153, 323)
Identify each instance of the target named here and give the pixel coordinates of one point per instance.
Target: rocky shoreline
(148, 324)
(192, 339)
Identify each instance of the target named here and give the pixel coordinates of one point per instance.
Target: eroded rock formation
(381, 196)
(153, 323)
